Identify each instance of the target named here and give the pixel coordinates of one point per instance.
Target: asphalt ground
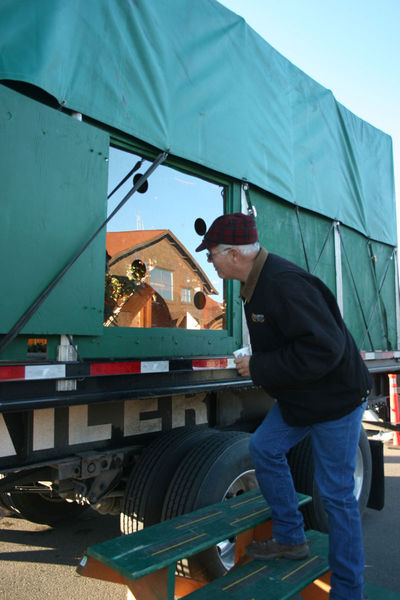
(38, 562)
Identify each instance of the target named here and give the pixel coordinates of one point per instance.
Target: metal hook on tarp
(250, 208)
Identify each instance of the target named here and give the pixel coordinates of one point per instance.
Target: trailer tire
(41, 508)
(215, 469)
(151, 475)
(302, 466)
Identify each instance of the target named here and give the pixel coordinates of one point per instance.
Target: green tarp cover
(192, 77)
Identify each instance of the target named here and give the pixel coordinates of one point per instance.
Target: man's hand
(243, 365)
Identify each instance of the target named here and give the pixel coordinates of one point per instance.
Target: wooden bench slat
(278, 579)
(161, 545)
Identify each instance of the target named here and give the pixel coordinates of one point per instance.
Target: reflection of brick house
(166, 294)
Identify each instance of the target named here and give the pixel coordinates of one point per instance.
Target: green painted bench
(146, 561)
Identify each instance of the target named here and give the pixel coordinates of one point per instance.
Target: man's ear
(235, 254)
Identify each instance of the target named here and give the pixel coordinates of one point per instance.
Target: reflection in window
(161, 281)
(186, 295)
(151, 246)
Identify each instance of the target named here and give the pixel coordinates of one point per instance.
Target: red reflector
(210, 363)
(119, 368)
(12, 372)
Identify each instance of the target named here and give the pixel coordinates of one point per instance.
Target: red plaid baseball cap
(235, 229)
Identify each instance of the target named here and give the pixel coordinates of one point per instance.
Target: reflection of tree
(127, 296)
(133, 300)
(118, 290)
(127, 300)
(145, 308)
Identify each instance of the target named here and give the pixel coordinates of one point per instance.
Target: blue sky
(351, 47)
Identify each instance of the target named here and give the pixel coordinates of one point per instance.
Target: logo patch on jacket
(257, 318)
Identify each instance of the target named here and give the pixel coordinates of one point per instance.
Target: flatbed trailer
(125, 129)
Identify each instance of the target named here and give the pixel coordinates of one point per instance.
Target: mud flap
(376, 498)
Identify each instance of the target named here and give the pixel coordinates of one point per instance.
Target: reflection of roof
(211, 315)
(121, 240)
(120, 244)
(212, 304)
(212, 309)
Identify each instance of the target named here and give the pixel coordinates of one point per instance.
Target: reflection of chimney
(139, 224)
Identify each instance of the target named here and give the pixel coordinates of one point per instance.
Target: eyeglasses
(211, 256)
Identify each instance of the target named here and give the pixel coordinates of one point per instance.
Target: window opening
(154, 276)
(162, 281)
(37, 348)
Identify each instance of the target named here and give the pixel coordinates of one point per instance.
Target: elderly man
(305, 357)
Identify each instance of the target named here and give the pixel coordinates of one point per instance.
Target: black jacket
(303, 353)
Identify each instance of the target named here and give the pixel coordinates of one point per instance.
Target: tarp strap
(302, 237)
(383, 316)
(323, 246)
(379, 300)
(19, 325)
(356, 291)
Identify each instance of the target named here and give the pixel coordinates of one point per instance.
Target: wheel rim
(245, 482)
(358, 474)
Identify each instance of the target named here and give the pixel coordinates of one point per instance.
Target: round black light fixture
(200, 226)
(144, 187)
(199, 300)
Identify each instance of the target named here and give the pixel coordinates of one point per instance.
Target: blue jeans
(334, 445)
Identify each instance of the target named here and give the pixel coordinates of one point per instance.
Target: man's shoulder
(283, 275)
(279, 275)
(276, 265)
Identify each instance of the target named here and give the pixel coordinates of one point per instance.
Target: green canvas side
(159, 70)
(283, 232)
(377, 313)
(54, 170)
(294, 236)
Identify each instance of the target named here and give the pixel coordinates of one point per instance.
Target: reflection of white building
(167, 294)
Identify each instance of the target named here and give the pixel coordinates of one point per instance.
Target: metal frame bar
(338, 267)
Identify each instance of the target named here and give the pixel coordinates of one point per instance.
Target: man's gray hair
(244, 249)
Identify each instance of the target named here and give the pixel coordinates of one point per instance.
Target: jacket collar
(247, 288)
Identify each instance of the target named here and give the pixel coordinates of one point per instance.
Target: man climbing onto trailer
(305, 357)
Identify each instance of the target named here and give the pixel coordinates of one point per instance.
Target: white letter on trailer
(43, 429)
(6, 444)
(180, 404)
(133, 409)
(79, 430)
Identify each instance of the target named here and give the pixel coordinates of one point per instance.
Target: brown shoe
(273, 549)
